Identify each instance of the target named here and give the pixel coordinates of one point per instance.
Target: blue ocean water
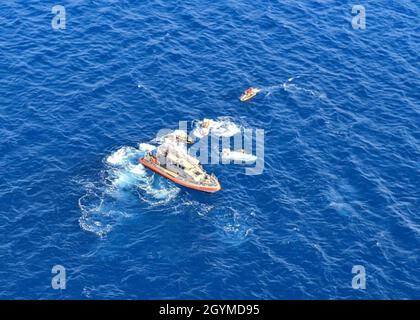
(340, 187)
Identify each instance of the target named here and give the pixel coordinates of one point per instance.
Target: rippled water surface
(340, 186)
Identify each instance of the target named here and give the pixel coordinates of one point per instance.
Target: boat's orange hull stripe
(182, 183)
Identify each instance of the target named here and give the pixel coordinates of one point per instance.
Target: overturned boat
(178, 166)
(240, 155)
(177, 136)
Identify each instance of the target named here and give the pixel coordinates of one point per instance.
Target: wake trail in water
(291, 87)
(123, 181)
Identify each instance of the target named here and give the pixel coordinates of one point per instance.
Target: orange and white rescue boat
(181, 168)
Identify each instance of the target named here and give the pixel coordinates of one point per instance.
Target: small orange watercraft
(249, 94)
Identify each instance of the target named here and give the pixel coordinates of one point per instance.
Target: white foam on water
(129, 173)
(123, 177)
(118, 157)
(138, 170)
(146, 147)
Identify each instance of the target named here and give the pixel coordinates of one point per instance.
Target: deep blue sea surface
(341, 182)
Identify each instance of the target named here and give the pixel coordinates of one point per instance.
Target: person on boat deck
(248, 91)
